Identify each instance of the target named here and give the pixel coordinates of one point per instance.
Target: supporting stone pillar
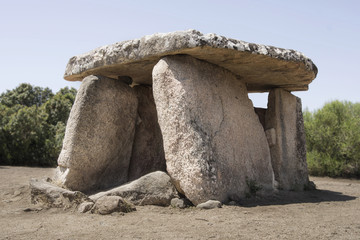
(215, 146)
(288, 153)
(99, 136)
(148, 150)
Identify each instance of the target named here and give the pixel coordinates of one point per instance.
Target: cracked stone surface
(152, 189)
(213, 140)
(99, 136)
(148, 151)
(261, 67)
(288, 151)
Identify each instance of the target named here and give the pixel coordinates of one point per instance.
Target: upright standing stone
(288, 154)
(148, 150)
(213, 139)
(99, 136)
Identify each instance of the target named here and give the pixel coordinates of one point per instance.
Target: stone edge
(171, 43)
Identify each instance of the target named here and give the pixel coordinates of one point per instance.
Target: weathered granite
(109, 204)
(213, 139)
(52, 196)
(148, 150)
(288, 150)
(152, 189)
(261, 67)
(99, 136)
(85, 207)
(180, 203)
(211, 204)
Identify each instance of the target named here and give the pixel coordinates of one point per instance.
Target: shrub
(333, 140)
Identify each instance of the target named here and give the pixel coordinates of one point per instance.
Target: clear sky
(37, 38)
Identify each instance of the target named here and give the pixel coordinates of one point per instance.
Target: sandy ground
(332, 212)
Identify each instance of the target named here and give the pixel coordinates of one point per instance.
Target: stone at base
(180, 203)
(109, 204)
(85, 207)
(152, 189)
(209, 204)
(49, 195)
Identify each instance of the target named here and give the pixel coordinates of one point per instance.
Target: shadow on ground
(289, 197)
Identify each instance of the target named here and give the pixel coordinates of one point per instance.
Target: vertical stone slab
(288, 154)
(148, 150)
(213, 139)
(99, 136)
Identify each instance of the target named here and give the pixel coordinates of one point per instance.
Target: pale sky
(37, 38)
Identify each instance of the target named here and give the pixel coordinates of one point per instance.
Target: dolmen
(178, 103)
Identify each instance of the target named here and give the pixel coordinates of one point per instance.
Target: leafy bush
(333, 140)
(32, 124)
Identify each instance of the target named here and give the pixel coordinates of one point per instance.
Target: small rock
(85, 207)
(50, 195)
(38, 209)
(154, 188)
(110, 204)
(209, 204)
(180, 203)
(17, 193)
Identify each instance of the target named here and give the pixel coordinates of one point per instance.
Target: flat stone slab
(261, 67)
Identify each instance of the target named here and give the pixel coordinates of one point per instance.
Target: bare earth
(332, 212)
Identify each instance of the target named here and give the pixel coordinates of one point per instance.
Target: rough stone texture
(180, 203)
(271, 136)
(261, 67)
(85, 207)
(110, 204)
(152, 189)
(209, 204)
(99, 136)
(148, 151)
(49, 195)
(213, 139)
(288, 154)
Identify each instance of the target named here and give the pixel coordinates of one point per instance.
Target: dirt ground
(331, 212)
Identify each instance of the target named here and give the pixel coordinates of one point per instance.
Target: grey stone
(261, 67)
(85, 207)
(109, 204)
(213, 139)
(148, 151)
(180, 203)
(271, 136)
(49, 195)
(209, 204)
(99, 136)
(288, 154)
(152, 189)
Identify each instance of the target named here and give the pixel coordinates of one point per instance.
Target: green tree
(333, 139)
(26, 95)
(32, 124)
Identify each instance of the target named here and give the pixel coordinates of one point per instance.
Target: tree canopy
(333, 139)
(32, 124)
